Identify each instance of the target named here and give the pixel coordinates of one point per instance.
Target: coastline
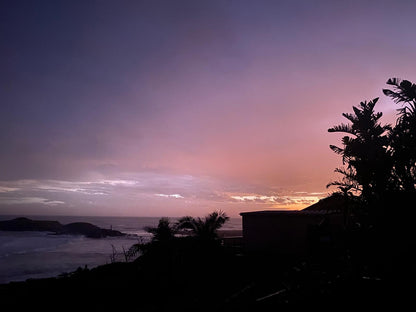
(39, 255)
(191, 277)
(230, 233)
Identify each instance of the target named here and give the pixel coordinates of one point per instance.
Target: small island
(77, 228)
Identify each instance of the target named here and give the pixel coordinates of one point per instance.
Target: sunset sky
(170, 108)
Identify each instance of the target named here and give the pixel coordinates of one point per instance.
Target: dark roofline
(284, 212)
(333, 204)
(271, 212)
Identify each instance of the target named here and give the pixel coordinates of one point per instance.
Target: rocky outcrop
(89, 230)
(77, 228)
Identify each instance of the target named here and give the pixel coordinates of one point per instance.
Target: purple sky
(167, 108)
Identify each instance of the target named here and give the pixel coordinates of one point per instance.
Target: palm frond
(403, 90)
(369, 106)
(186, 223)
(346, 140)
(358, 112)
(351, 117)
(336, 149)
(342, 128)
(348, 173)
(203, 228)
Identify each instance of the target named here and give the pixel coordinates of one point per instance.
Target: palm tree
(365, 152)
(404, 93)
(403, 138)
(206, 228)
(163, 232)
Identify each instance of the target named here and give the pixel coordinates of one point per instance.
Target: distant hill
(77, 228)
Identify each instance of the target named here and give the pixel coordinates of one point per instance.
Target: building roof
(270, 212)
(282, 213)
(334, 203)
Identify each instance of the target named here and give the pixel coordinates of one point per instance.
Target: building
(292, 232)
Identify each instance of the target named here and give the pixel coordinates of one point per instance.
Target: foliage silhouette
(379, 161)
(379, 179)
(365, 152)
(204, 229)
(403, 137)
(163, 232)
(199, 235)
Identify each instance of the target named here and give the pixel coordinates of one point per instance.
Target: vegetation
(163, 232)
(379, 161)
(365, 151)
(204, 229)
(379, 181)
(403, 135)
(187, 231)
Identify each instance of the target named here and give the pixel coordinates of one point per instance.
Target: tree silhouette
(365, 152)
(403, 137)
(206, 228)
(164, 240)
(163, 232)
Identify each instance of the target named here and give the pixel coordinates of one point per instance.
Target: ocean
(26, 255)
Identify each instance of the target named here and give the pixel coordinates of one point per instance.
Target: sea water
(25, 255)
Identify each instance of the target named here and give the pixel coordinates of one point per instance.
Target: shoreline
(228, 236)
(230, 233)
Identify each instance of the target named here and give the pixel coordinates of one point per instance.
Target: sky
(171, 108)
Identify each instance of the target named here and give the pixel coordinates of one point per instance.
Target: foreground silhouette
(182, 272)
(379, 159)
(379, 183)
